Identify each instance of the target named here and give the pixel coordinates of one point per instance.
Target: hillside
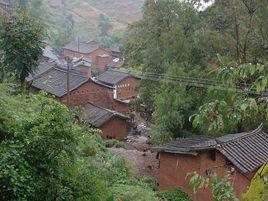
(120, 12)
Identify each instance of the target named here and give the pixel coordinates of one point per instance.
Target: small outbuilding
(240, 155)
(125, 84)
(113, 125)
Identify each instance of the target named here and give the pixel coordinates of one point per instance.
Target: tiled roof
(48, 53)
(42, 67)
(112, 77)
(97, 116)
(247, 151)
(117, 48)
(54, 81)
(83, 47)
(114, 64)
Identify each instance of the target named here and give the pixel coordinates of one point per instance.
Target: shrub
(41, 152)
(134, 193)
(174, 195)
(114, 144)
(258, 190)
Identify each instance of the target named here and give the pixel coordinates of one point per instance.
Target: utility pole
(78, 44)
(69, 66)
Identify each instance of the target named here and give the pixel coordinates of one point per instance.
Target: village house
(115, 64)
(113, 125)
(125, 84)
(89, 49)
(49, 55)
(83, 65)
(83, 89)
(116, 51)
(239, 154)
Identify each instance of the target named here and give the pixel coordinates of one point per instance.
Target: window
(212, 155)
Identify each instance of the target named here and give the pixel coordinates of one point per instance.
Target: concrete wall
(116, 128)
(174, 169)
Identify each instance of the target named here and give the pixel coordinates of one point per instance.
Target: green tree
(43, 153)
(21, 41)
(243, 107)
(163, 37)
(258, 190)
(172, 106)
(104, 26)
(222, 189)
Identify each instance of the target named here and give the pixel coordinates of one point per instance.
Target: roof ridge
(113, 112)
(101, 83)
(59, 68)
(246, 134)
(41, 74)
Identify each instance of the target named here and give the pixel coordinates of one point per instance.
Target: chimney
(103, 61)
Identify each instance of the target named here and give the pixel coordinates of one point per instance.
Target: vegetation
(46, 156)
(114, 144)
(222, 189)
(174, 195)
(208, 66)
(242, 107)
(65, 21)
(22, 42)
(258, 190)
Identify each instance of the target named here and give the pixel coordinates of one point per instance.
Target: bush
(114, 144)
(258, 190)
(174, 195)
(43, 152)
(134, 193)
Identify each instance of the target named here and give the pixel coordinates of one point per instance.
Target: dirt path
(143, 163)
(139, 156)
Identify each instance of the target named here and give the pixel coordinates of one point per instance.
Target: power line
(200, 82)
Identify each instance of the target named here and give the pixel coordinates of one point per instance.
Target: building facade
(239, 155)
(113, 124)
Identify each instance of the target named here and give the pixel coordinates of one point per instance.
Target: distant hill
(120, 12)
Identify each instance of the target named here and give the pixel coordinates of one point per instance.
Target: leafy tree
(162, 38)
(104, 25)
(21, 43)
(43, 153)
(222, 189)
(243, 108)
(172, 106)
(258, 189)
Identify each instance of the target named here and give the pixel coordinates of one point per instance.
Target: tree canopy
(21, 42)
(197, 62)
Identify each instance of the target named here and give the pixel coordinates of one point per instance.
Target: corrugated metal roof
(97, 116)
(247, 151)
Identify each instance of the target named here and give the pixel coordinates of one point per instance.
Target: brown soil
(143, 163)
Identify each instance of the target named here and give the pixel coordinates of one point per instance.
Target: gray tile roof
(54, 81)
(112, 77)
(48, 53)
(42, 67)
(114, 64)
(247, 151)
(98, 116)
(82, 47)
(117, 48)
